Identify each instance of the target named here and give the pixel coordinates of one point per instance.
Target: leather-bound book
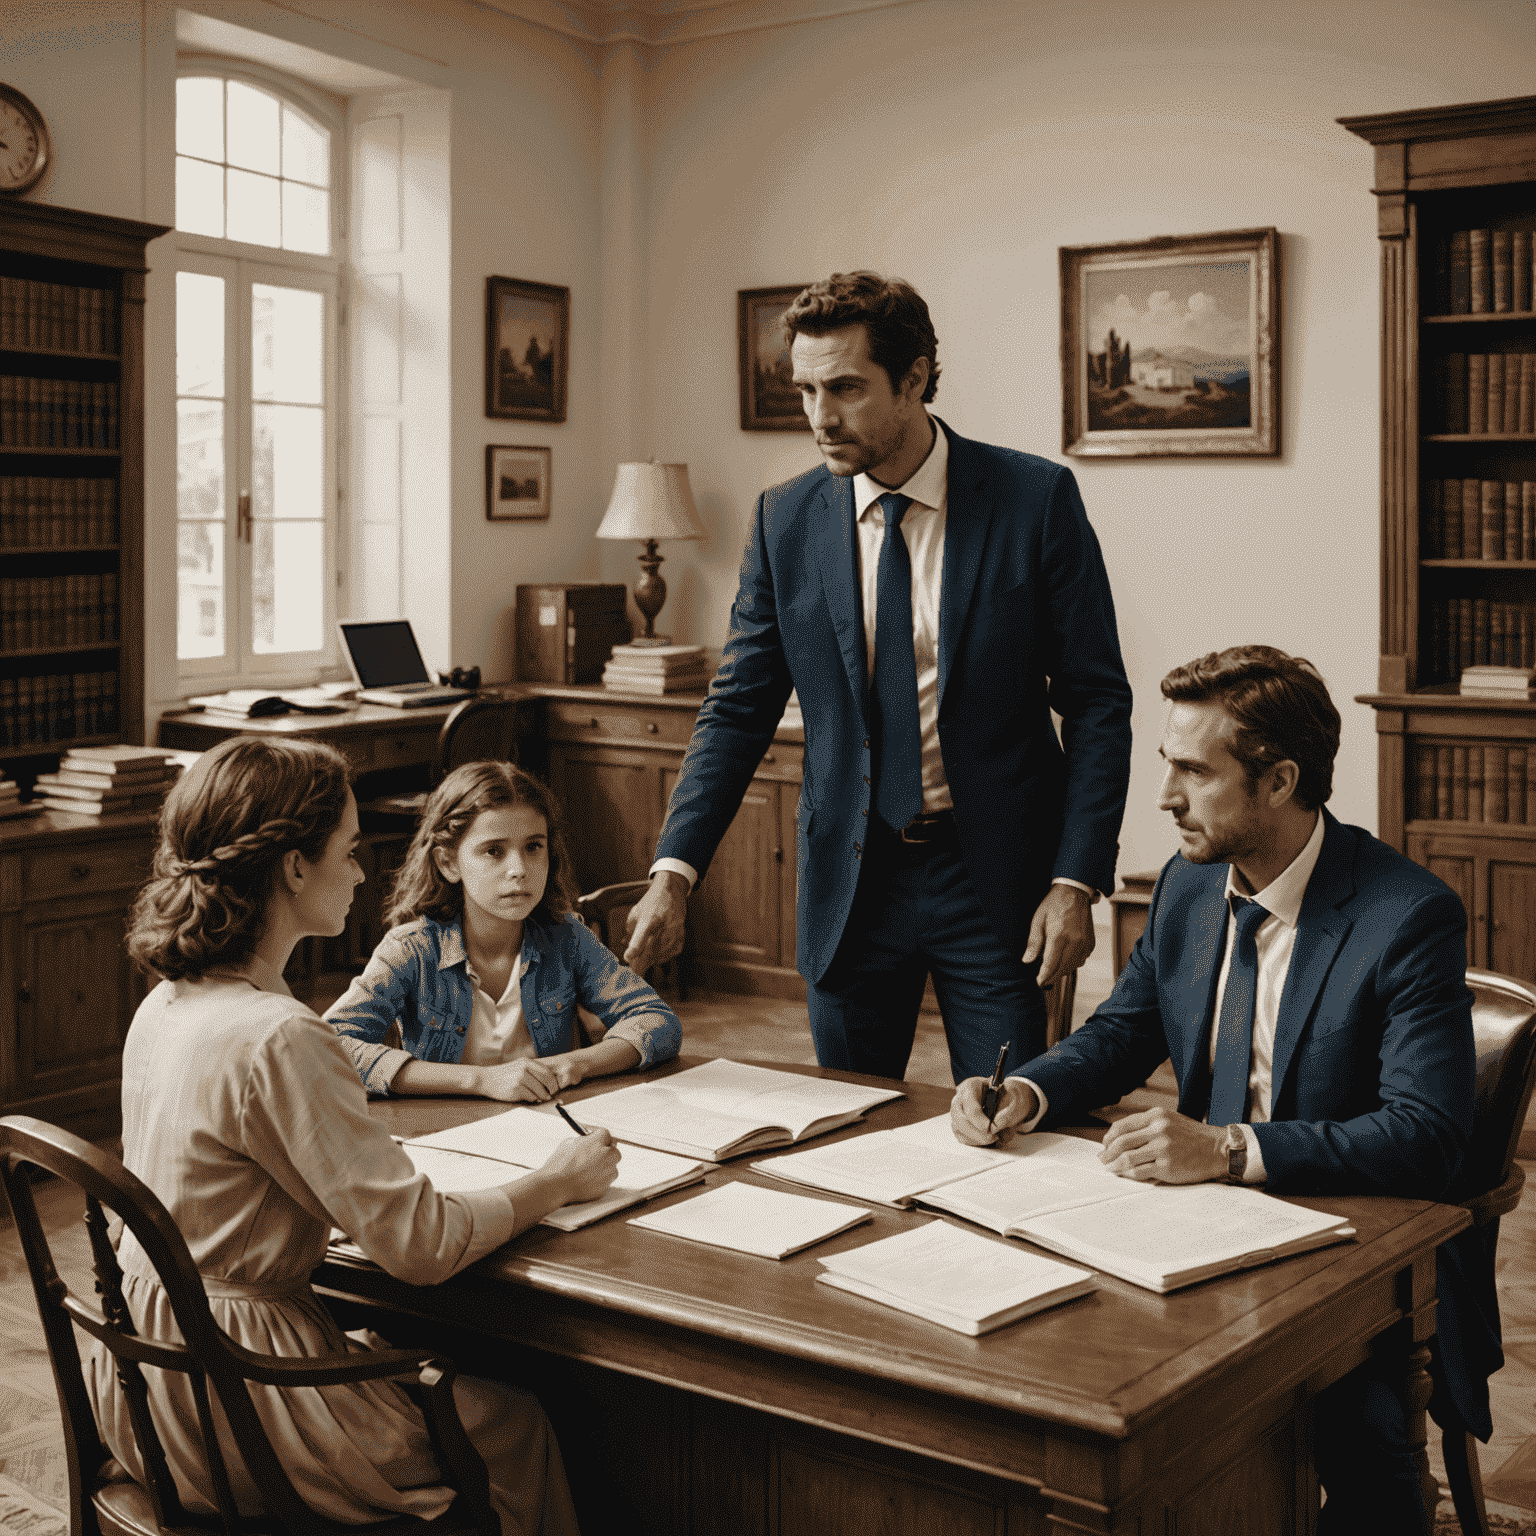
(1512, 371)
(1480, 632)
(1516, 797)
(1450, 519)
(1495, 391)
(1530, 786)
(1511, 519)
(1453, 391)
(1496, 784)
(1458, 783)
(1503, 271)
(1477, 392)
(1528, 519)
(1443, 773)
(1525, 407)
(1482, 271)
(1424, 783)
(1521, 258)
(1431, 519)
(1492, 520)
(1461, 272)
(1471, 518)
(1474, 783)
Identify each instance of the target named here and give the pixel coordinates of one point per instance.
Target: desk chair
(1059, 998)
(598, 910)
(1504, 1029)
(102, 1501)
(481, 729)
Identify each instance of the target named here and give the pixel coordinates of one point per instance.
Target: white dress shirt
(1275, 939)
(497, 1029)
(923, 528)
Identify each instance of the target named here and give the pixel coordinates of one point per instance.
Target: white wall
(959, 143)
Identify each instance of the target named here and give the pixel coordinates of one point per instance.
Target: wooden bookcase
(1444, 759)
(71, 481)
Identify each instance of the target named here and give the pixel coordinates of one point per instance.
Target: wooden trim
(1473, 117)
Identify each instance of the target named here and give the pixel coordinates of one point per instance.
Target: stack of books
(1499, 682)
(11, 803)
(107, 781)
(658, 669)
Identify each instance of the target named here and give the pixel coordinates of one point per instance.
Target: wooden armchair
(104, 1504)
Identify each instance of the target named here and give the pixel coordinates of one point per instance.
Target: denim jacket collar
(451, 950)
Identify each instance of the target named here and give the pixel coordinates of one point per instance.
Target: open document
(724, 1108)
(503, 1147)
(766, 1222)
(960, 1280)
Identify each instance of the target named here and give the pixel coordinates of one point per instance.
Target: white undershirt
(497, 1030)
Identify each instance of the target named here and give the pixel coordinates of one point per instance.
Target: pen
(565, 1115)
(989, 1102)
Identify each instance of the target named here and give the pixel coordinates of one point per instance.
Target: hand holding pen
(995, 1084)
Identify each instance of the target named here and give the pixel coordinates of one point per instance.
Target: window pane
(254, 209)
(306, 149)
(199, 334)
(200, 460)
(287, 344)
(199, 197)
(306, 219)
(200, 118)
(288, 462)
(199, 590)
(288, 587)
(253, 129)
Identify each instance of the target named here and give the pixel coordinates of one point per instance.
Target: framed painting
(527, 349)
(1170, 347)
(769, 400)
(517, 484)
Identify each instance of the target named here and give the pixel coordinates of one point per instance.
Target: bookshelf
(71, 481)
(1455, 192)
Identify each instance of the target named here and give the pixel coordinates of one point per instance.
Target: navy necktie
(1234, 1032)
(899, 785)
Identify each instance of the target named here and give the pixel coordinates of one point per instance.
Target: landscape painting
(517, 483)
(1170, 346)
(769, 400)
(527, 345)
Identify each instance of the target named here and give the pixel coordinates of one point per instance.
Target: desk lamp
(650, 502)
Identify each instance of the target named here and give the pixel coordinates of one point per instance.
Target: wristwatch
(1237, 1153)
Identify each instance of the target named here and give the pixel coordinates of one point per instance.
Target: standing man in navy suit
(933, 601)
(1309, 985)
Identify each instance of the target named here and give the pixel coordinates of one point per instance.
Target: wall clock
(25, 148)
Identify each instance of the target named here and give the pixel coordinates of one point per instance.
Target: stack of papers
(725, 1108)
(752, 1220)
(502, 1147)
(957, 1279)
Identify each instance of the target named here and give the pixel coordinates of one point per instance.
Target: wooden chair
(599, 910)
(102, 1501)
(1059, 998)
(481, 729)
(1504, 1029)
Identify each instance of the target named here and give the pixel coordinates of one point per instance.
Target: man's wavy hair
(224, 829)
(420, 888)
(892, 312)
(1280, 709)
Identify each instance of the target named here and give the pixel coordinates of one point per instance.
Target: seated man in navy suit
(1309, 985)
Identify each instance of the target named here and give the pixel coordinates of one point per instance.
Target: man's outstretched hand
(653, 932)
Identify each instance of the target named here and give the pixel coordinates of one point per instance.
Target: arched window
(256, 350)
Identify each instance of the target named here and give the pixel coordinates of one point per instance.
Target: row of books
(56, 707)
(11, 803)
(56, 512)
(1484, 272)
(1483, 392)
(109, 780)
(1474, 632)
(658, 669)
(57, 316)
(40, 611)
(57, 413)
(1475, 783)
(1465, 519)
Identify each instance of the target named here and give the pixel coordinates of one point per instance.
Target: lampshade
(651, 501)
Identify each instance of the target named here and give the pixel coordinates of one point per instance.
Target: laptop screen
(384, 654)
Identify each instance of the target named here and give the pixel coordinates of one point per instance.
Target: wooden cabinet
(67, 987)
(1456, 215)
(613, 760)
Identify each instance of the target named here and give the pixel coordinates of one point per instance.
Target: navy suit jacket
(1026, 626)
(1374, 1065)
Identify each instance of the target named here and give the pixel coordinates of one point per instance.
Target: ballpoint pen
(565, 1115)
(989, 1102)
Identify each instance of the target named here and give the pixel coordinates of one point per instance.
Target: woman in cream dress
(245, 1116)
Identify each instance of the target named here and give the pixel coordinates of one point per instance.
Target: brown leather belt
(932, 827)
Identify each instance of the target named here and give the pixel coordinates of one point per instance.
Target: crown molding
(664, 23)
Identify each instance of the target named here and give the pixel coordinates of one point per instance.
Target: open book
(502, 1147)
(724, 1108)
(766, 1222)
(960, 1280)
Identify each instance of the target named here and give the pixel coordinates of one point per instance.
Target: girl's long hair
(420, 889)
(224, 829)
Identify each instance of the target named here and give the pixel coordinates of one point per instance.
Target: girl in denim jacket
(487, 964)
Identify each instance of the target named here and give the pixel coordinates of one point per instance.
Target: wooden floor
(715, 1024)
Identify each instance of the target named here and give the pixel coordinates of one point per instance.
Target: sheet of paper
(519, 1135)
(651, 1112)
(1032, 1184)
(767, 1222)
(882, 1165)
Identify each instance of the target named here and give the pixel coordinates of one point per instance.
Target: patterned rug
(1507, 1521)
(24, 1514)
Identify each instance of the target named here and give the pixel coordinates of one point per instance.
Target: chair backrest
(1504, 1029)
(481, 729)
(596, 908)
(205, 1356)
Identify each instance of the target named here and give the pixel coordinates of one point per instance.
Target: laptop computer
(386, 661)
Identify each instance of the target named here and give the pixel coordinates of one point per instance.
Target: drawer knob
(79, 871)
(768, 757)
(652, 727)
(594, 722)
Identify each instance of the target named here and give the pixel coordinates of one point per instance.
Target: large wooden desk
(699, 1390)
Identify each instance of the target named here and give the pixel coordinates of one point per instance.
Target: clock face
(23, 142)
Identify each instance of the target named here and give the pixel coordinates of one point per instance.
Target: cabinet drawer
(403, 749)
(85, 867)
(568, 720)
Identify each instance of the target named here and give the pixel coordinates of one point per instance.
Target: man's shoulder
(801, 488)
(1383, 877)
(966, 454)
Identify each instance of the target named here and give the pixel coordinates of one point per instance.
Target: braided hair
(420, 890)
(223, 832)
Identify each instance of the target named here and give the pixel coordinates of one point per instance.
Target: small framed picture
(517, 484)
(1170, 348)
(527, 349)
(769, 400)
